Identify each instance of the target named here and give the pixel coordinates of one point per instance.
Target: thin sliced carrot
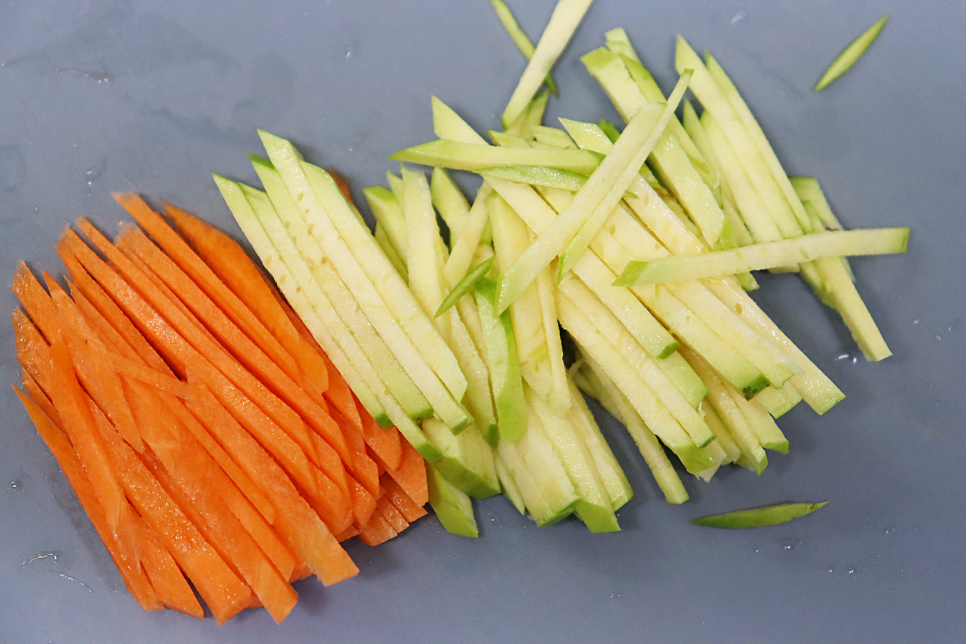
(245, 350)
(142, 373)
(363, 468)
(179, 251)
(36, 301)
(223, 531)
(376, 531)
(173, 589)
(222, 590)
(90, 362)
(342, 183)
(348, 533)
(298, 524)
(225, 368)
(393, 517)
(411, 475)
(138, 584)
(181, 354)
(195, 470)
(90, 296)
(36, 393)
(406, 506)
(363, 503)
(385, 443)
(33, 352)
(119, 349)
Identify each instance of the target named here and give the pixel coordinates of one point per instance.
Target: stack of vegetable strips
(205, 433)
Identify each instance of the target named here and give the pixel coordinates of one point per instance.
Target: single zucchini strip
(871, 241)
(563, 23)
(851, 54)
(838, 284)
(510, 239)
(452, 506)
(465, 285)
(759, 517)
(519, 38)
(456, 155)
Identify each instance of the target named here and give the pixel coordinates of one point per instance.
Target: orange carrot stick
(36, 302)
(393, 517)
(91, 297)
(133, 575)
(376, 531)
(406, 506)
(91, 364)
(363, 503)
(385, 443)
(411, 475)
(37, 395)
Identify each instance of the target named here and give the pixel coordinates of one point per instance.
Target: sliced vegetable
(844, 61)
(767, 515)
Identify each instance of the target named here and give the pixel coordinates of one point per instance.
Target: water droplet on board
(95, 171)
(890, 530)
(15, 484)
(348, 51)
(100, 77)
(915, 322)
(76, 581)
(789, 544)
(740, 15)
(939, 338)
(40, 556)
